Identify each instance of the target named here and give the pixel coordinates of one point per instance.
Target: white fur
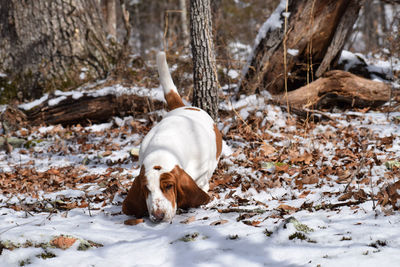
(184, 137)
(163, 72)
(156, 199)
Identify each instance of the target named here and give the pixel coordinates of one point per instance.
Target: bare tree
(205, 93)
(47, 45)
(185, 29)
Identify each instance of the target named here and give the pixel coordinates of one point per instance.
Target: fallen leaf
(63, 242)
(189, 220)
(133, 221)
(107, 153)
(286, 207)
(219, 222)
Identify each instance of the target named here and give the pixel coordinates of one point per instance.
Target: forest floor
(287, 192)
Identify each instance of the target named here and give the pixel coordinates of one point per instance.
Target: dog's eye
(169, 186)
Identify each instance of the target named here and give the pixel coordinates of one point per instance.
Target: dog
(177, 158)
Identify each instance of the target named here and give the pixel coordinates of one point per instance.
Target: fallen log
(337, 88)
(89, 109)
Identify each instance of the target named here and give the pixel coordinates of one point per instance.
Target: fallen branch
(338, 88)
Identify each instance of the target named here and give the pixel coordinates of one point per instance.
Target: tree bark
(111, 18)
(316, 33)
(338, 88)
(205, 93)
(47, 45)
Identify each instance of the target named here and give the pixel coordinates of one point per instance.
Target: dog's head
(159, 193)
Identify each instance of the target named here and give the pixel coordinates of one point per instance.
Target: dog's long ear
(135, 201)
(189, 195)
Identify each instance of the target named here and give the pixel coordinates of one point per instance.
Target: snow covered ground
(278, 195)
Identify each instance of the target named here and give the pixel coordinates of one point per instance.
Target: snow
(37, 102)
(272, 23)
(118, 90)
(293, 52)
(348, 236)
(57, 100)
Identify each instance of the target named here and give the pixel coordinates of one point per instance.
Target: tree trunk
(185, 29)
(205, 93)
(316, 33)
(338, 88)
(111, 18)
(47, 45)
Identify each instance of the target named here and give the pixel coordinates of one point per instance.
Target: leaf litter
(326, 178)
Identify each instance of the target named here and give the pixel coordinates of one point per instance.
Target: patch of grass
(346, 238)
(24, 262)
(87, 244)
(298, 235)
(46, 255)
(233, 237)
(189, 237)
(267, 233)
(378, 243)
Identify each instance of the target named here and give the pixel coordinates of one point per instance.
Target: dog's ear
(189, 195)
(135, 201)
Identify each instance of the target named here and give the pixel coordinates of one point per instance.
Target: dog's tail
(171, 94)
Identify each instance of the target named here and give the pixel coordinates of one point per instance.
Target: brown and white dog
(177, 158)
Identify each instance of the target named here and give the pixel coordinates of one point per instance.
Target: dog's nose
(158, 216)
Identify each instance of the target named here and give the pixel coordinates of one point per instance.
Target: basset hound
(177, 158)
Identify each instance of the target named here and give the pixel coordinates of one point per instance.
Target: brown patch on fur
(191, 108)
(157, 168)
(218, 140)
(135, 201)
(188, 194)
(168, 187)
(173, 100)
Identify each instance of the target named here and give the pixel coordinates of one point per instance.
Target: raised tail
(171, 94)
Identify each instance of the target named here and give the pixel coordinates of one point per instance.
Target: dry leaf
(189, 220)
(267, 149)
(63, 242)
(219, 222)
(107, 153)
(133, 221)
(286, 207)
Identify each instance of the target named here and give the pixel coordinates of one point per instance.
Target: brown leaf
(63, 242)
(304, 194)
(219, 222)
(133, 221)
(306, 158)
(107, 153)
(267, 149)
(287, 207)
(189, 220)
(281, 167)
(345, 196)
(310, 180)
(252, 223)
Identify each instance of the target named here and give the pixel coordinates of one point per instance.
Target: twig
(285, 55)
(228, 210)
(360, 165)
